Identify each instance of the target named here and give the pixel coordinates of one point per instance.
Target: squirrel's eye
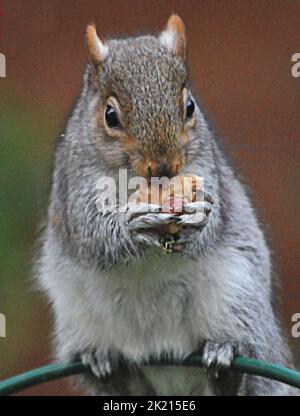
(111, 117)
(190, 107)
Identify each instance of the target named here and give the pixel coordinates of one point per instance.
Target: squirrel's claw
(219, 356)
(196, 220)
(145, 239)
(100, 363)
(203, 207)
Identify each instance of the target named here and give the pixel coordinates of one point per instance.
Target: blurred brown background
(240, 61)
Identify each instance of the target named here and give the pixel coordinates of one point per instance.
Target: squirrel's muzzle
(164, 168)
(167, 166)
(161, 169)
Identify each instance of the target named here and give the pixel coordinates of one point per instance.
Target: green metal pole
(39, 376)
(56, 371)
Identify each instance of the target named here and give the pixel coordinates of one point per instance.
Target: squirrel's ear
(97, 50)
(174, 36)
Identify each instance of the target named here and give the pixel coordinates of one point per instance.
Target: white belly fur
(160, 304)
(178, 381)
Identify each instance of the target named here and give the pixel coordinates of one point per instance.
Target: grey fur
(111, 288)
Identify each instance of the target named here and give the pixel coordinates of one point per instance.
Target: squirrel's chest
(151, 306)
(169, 303)
(157, 317)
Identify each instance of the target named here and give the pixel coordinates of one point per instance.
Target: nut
(171, 198)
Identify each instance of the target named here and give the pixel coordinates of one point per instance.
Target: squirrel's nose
(163, 169)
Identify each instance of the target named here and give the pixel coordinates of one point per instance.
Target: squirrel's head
(145, 111)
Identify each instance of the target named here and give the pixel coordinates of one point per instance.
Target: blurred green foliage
(25, 143)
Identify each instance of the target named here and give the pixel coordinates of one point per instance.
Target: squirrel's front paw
(219, 356)
(195, 217)
(145, 222)
(102, 364)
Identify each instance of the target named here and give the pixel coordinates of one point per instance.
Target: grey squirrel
(118, 300)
